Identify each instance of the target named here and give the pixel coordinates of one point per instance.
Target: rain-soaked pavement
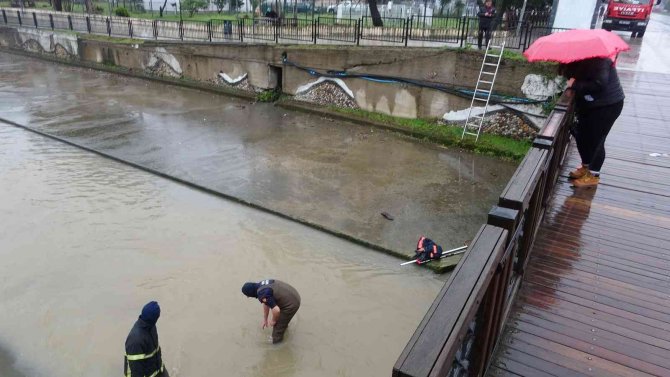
(335, 174)
(86, 241)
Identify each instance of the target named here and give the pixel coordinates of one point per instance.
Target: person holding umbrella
(599, 101)
(587, 59)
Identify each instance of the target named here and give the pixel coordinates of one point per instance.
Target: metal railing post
(358, 32)
(130, 27)
(69, 22)
(181, 30)
(240, 25)
(109, 26)
(4, 16)
(209, 30)
(35, 19)
(154, 28)
(406, 30)
(88, 24)
(51, 21)
(18, 14)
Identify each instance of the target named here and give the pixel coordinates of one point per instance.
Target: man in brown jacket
(277, 297)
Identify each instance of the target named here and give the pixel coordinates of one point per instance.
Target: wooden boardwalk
(595, 299)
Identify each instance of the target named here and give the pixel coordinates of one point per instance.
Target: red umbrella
(578, 44)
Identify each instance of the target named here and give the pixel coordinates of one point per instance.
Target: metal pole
(523, 11)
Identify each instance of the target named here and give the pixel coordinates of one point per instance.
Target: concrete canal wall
(408, 92)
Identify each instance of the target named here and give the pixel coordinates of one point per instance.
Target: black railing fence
(413, 30)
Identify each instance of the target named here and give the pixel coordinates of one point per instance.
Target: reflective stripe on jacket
(143, 353)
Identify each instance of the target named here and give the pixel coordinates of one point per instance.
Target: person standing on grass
(486, 14)
(599, 101)
(278, 298)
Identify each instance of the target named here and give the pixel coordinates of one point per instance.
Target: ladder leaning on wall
(487, 76)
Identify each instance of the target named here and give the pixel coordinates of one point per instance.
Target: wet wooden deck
(595, 299)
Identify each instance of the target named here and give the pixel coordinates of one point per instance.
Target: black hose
(464, 93)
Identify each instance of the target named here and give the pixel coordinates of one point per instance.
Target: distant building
(575, 14)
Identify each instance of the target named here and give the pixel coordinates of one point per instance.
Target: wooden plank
(473, 302)
(518, 192)
(593, 332)
(570, 362)
(660, 325)
(635, 365)
(589, 316)
(656, 263)
(605, 296)
(592, 282)
(571, 358)
(421, 353)
(535, 367)
(498, 372)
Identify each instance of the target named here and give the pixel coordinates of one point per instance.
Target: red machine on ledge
(629, 15)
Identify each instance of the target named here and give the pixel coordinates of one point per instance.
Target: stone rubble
(327, 94)
(242, 85)
(509, 124)
(161, 68)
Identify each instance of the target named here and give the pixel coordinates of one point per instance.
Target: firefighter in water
(277, 297)
(143, 353)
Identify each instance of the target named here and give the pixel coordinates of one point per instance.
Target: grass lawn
(449, 135)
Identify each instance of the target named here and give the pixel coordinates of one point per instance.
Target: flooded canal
(335, 174)
(85, 242)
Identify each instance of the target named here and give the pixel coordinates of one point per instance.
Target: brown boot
(588, 180)
(578, 173)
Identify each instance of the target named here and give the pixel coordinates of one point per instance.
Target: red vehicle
(629, 15)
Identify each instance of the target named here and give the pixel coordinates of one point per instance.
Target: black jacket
(596, 83)
(143, 354)
(484, 20)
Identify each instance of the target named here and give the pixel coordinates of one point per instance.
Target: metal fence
(296, 29)
(334, 29)
(418, 29)
(393, 31)
(436, 29)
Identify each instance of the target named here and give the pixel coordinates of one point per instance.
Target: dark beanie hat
(250, 289)
(151, 312)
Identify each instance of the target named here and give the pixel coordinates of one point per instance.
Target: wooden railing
(458, 334)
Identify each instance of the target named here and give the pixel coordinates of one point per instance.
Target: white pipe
(448, 253)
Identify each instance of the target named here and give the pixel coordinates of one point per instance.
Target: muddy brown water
(332, 173)
(86, 241)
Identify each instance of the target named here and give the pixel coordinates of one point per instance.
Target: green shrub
(121, 12)
(268, 96)
(98, 9)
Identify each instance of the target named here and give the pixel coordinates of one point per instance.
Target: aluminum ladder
(487, 76)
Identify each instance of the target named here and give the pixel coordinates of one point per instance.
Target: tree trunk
(374, 13)
(162, 9)
(58, 5)
(89, 6)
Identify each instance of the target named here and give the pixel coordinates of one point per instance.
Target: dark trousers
(592, 129)
(280, 327)
(483, 30)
